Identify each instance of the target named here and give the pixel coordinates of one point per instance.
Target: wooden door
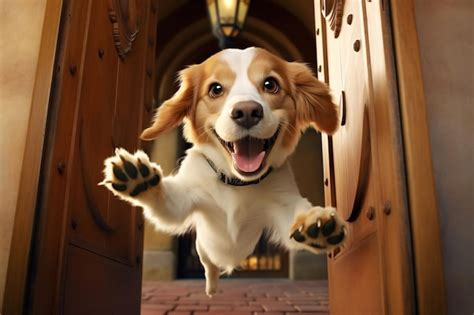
(88, 245)
(364, 164)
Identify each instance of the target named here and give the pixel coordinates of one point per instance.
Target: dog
(244, 112)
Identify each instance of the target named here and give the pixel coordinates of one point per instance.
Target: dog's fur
(230, 219)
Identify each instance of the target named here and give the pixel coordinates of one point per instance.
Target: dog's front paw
(129, 176)
(319, 230)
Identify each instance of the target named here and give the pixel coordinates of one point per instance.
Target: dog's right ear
(172, 112)
(314, 102)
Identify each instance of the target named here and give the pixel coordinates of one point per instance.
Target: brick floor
(236, 297)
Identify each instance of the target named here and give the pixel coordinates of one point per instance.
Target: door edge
(424, 215)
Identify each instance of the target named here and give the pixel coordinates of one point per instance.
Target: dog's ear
(314, 104)
(172, 112)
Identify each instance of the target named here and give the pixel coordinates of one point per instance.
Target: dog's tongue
(248, 154)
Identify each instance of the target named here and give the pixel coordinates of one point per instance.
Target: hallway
(236, 297)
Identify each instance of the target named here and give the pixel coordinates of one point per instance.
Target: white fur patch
(243, 89)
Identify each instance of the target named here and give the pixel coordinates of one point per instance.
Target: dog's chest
(245, 221)
(243, 214)
(229, 234)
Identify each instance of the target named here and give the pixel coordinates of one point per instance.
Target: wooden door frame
(423, 210)
(424, 214)
(18, 262)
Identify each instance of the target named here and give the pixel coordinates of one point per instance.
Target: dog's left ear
(314, 104)
(172, 112)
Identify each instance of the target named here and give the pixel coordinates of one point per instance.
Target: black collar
(234, 181)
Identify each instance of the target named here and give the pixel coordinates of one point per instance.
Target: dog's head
(247, 107)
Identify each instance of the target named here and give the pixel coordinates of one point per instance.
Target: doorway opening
(285, 29)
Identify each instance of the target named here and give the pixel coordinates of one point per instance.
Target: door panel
(89, 276)
(89, 245)
(104, 101)
(364, 161)
(349, 76)
(92, 137)
(363, 265)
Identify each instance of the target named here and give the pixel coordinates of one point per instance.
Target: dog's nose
(247, 114)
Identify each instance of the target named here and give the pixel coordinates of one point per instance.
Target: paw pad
(319, 229)
(130, 175)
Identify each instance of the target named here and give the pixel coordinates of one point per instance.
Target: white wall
(21, 23)
(446, 35)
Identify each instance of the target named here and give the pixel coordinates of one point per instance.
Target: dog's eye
(270, 85)
(215, 90)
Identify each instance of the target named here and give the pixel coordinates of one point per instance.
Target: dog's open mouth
(249, 154)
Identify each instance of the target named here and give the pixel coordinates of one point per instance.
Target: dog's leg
(316, 229)
(211, 271)
(133, 178)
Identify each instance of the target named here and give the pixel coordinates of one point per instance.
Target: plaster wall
(21, 24)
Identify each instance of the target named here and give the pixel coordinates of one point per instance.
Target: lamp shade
(227, 17)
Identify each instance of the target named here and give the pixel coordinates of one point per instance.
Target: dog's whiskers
(288, 126)
(203, 130)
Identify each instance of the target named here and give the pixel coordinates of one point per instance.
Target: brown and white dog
(244, 111)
